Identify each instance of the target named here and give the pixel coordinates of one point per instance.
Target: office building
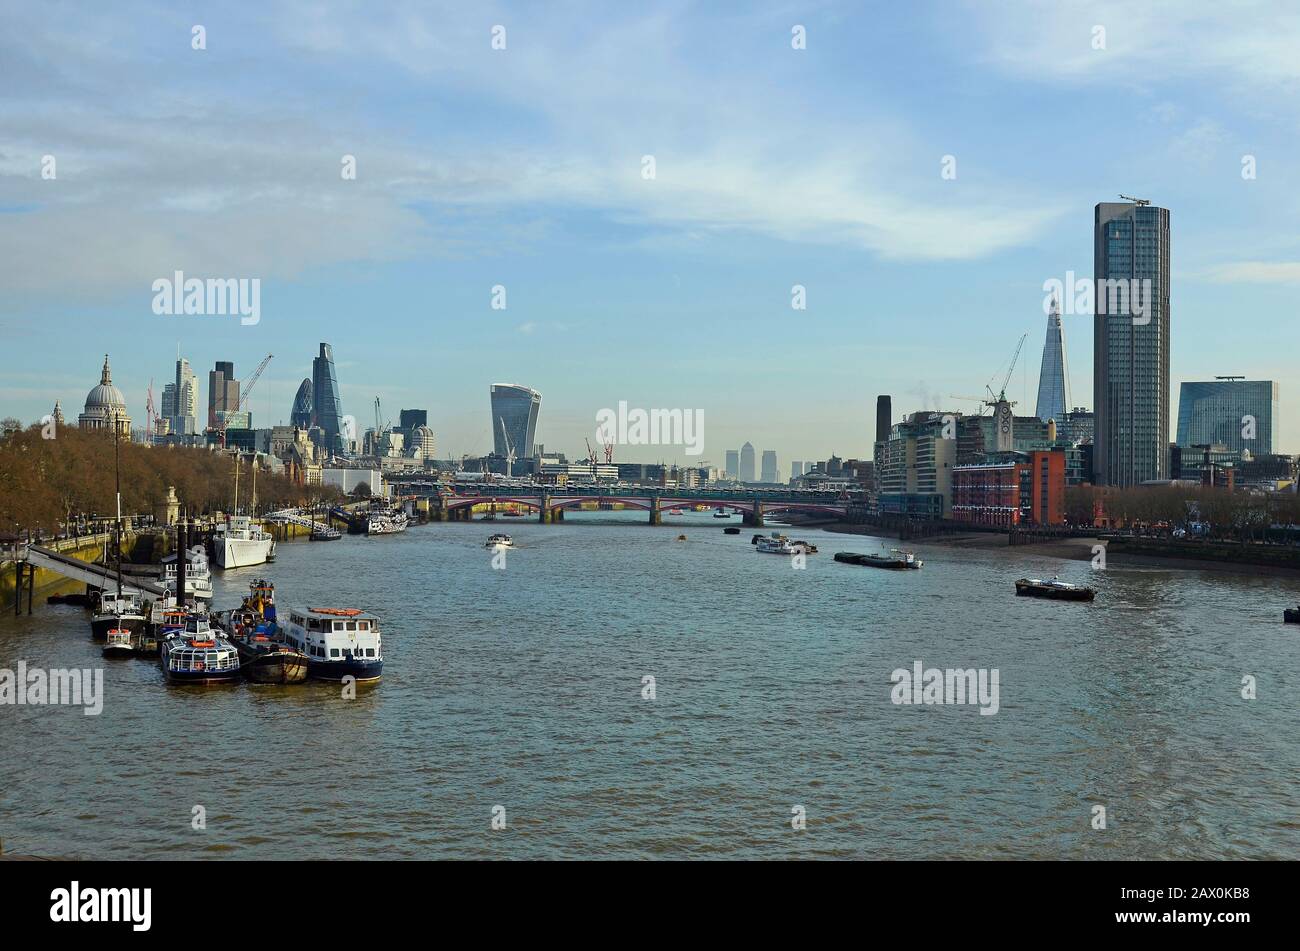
(1131, 342)
(514, 419)
(768, 473)
(327, 408)
(1241, 415)
(747, 463)
(223, 393)
(1053, 377)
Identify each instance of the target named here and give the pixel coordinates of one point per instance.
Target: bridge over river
(456, 500)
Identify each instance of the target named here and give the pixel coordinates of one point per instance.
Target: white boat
(118, 643)
(338, 642)
(241, 543)
(500, 541)
(198, 578)
(719, 513)
(385, 523)
(777, 544)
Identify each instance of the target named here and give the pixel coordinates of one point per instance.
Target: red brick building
(1027, 489)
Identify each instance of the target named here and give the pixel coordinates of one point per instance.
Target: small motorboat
(500, 540)
(721, 514)
(196, 654)
(1291, 615)
(731, 530)
(681, 538)
(118, 643)
(1054, 590)
(895, 560)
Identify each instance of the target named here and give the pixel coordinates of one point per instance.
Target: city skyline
(588, 249)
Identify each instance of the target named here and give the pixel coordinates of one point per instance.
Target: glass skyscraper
(1053, 377)
(326, 406)
(747, 463)
(301, 414)
(1130, 343)
(1238, 414)
(514, 413)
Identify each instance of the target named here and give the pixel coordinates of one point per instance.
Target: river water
(522, 688)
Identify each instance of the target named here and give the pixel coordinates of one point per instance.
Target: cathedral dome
(104, 403)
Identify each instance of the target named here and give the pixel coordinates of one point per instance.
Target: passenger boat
(1291, 615)
(1054, 589)
(385, 522)
(499, 541)
(240, 543)
(325, 533)
(719, 513)
(196, 654)
(122, 611)
(198, 577)
(895, 560)
(118, 643)
(265, 655)
(338, 642)
(776, 544)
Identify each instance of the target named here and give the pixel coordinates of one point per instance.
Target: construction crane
(150, 415)
(1001, 395)
(244, 390)
(609, 453)
(1136, 201)
(591, 453)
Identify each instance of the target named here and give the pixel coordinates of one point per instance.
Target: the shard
(1053, 379)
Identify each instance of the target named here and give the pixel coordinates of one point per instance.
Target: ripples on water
(523, 688)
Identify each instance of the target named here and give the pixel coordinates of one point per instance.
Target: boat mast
(235, 509)
(252, 501)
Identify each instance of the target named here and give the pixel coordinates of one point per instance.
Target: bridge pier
(544, 514)
(754, 519)
(656, 511)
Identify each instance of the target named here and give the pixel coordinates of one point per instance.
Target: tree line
(1241, 515)
(48, 484)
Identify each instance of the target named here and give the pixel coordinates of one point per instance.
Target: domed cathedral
(105, 407)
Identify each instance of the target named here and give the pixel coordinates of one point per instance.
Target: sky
(829, 166)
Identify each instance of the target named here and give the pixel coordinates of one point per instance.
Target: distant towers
(326, 406)
(1053, 378)
(769, 466)
(747, 462)
(884, 418)
(733, 464)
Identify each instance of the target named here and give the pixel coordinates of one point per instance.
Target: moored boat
(1054, 590)
(719, 513)
(196, 654)
(241, 543)
(338, 642)
(198, 577)
(895, 560)
(118, 643)
(122, 611)
(265, 655)
(385, 522)
(731, 530)
(1291, 615)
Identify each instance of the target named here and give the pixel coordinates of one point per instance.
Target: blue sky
(522, 167)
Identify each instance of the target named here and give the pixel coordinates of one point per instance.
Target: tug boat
(499, 540)
(895, 560)
(1291, 615)
(1054, 590)
(117, 612)
(198, 577)
(196, 654)
(240, 543)
(264, 653)
(338, 642)
(118, 643)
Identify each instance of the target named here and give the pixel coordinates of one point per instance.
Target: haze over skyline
(522, 168)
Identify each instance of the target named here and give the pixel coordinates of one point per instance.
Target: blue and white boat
(196, 654)
(338, 642)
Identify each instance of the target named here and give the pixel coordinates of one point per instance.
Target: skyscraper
(769, 466)
(327, 409)
(747, 463)
(223, 391)
(733, 464)
(301, 414)
(1238, 414)
(1130, 343)
(796, 469)
(514, 417)
(1053, 376)
(180, 400)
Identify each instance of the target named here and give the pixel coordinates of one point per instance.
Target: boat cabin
(334, 634)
